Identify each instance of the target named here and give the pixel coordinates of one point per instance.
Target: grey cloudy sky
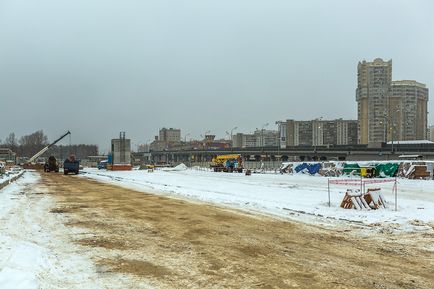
(98, 67)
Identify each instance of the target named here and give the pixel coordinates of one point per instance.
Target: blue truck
(71, 165)
(102, 165)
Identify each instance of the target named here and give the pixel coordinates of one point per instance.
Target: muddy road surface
(170, 243)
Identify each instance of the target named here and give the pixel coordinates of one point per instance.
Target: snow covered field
(33, 251)
(291, 196)
(37, 249)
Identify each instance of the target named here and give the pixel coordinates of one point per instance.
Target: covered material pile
(384, 170)
(308, 168)
(351, 169)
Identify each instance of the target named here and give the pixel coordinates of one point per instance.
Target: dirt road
(171, 243)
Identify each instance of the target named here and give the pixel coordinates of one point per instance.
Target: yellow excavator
(227, 163)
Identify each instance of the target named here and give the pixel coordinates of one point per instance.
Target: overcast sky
(97, 67)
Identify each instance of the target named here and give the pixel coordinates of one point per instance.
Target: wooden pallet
(419, 172)
(120, 167)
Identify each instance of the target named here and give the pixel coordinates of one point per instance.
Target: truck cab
(102, 165)
(71, 165)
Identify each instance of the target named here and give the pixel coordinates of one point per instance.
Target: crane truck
(227, 163)
(30, 164)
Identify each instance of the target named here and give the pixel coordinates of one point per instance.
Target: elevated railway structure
(301, 153)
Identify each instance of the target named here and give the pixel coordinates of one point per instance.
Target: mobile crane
(30, 164)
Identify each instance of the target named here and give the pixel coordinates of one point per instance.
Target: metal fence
(252, 165)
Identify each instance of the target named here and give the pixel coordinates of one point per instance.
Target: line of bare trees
(28, 145)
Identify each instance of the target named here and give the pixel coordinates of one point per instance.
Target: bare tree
(32, 143)
(11, 141)
(35, 139)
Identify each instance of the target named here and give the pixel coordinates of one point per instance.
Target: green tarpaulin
(348, 168)
(386, 170)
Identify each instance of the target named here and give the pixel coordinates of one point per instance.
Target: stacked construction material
(403, 169)
(372, 199)
(418, 172)
(330, 170)
(286, 168)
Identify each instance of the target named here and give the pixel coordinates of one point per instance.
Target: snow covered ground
(38, 251)
(33, 251)
(8, 176)
(291, 196)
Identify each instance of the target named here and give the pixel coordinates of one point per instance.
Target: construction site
(216, 144)
(226, 224)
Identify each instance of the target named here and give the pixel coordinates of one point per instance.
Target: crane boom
(42, 151)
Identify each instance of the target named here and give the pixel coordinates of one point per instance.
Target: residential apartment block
(374, 81)
(408, 111)
(170, 135)
(317, 132)
(389, 110)
(260, 138)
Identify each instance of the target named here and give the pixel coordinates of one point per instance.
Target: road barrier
(362, 182)
(13, 179)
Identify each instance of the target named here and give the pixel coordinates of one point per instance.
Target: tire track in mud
(170, 243)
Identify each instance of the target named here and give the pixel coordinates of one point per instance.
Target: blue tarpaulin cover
(311, 168)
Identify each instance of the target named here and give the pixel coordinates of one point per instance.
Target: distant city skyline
(101, 67)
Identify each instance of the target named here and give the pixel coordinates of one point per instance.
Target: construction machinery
(102, 165)
(71, 165)
(51, 165)
(227, 163)
(30, 164)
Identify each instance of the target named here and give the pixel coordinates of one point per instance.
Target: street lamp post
(279, 124)
(262, 135)
(231, 134)
(185, 140)
(185, 137)
(384, 130)
(316, 134)
(393, 127)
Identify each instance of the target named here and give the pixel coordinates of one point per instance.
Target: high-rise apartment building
(389, 110)
(430, 133)
(408, 111)
(373, 90)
